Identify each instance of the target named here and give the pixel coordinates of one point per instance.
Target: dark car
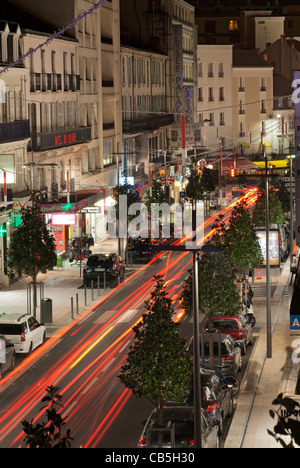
(236, 326)
(227, 354)
(108, 267)
(178, 429)
(141, 248)
(7, 356)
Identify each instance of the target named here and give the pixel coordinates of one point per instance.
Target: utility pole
(268, 279)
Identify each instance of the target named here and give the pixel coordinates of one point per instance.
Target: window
(221, 94)
(234, 25)
(241, 108)
(200, 70)
(222, 118)
(200, 94)
(210, 94)
(242, 85)
(210, 70)
(263, 84)
(221, 70)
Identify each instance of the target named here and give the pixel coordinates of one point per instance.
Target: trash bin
(59, 262)
(46, 310)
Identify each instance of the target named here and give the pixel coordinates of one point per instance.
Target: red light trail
(86, 372)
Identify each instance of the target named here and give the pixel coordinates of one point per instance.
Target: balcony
(14, 131)
(52, 82)
(147, 123)
(58, 139)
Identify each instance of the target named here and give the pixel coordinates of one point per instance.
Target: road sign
(170, 181)
(295, 322)
(182, 194)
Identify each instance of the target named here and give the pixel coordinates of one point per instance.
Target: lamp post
(269, 318)
(292, 156)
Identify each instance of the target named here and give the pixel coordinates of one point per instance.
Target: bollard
(92, 285)
(85, 299)
(104, 274)
(77, 304)
(98, 280)
(72, 312)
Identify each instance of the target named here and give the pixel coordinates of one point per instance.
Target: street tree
(158, 364)
(276, 214)
(49, 433)
(239, 240)
(32, 246)
(157, 195)
(194, 189)
(132, 195)
(218, 292)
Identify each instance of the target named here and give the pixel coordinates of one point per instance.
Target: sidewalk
(60, 285)
(265, 378)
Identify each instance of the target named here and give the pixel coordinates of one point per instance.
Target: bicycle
(230, 380)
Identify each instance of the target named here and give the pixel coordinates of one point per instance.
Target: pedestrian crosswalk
(125, 317)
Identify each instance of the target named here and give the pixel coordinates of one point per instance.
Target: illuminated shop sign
(66, 219)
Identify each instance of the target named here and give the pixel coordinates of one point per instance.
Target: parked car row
(229, 340)
(19, 334)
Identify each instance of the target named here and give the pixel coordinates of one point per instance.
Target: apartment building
(14, 134)
(99, 102)
(58, 137)
(214, 98)
(252, 100)
(183, 57)
(146, 116)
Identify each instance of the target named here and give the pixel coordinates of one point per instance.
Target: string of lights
(56, 34)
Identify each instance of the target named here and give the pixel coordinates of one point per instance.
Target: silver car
(227, 355)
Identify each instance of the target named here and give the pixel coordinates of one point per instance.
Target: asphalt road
(84, 363)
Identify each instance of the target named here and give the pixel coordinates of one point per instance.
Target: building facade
(14, 135)
(252, 99)
(214, 106)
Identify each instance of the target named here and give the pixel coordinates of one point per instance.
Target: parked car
(236, 326)
(7, 356)
(23, 330)
(284, 241)
(103, 263)
(181, 420)
(227, 353)
(216, 397)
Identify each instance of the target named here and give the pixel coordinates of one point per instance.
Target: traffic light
(232, 172)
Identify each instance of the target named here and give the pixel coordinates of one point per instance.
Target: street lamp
(268, 271)
(291, 157)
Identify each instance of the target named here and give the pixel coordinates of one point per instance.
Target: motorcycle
(248, 313)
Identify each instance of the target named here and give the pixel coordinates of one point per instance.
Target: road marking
(69, 409)
(106, 316)
(107, 365)
(127, 316)
(89, 386)
(125, 346)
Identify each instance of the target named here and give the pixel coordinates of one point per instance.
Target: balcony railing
(147, 123)
(14, 131)
(53, 82)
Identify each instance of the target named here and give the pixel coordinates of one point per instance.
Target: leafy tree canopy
(158, 365)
